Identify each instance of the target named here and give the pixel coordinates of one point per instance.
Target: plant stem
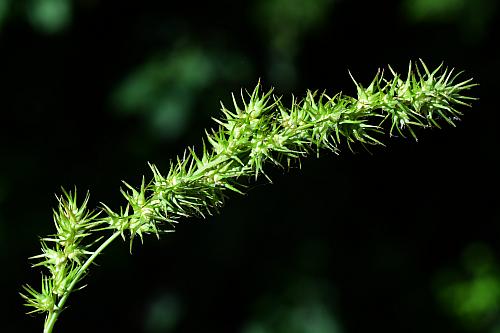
(52, 316)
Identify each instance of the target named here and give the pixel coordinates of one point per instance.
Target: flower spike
(259, 130)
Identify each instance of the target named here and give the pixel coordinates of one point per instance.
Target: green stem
(52, 317)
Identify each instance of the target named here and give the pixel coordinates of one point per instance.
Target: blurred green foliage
(49, 16)
(472, 293)
(45, 16)
(4, 7)
(302, 306)
(163, 314)
(164, 89)
(473, 16)
(284, 23)
(439, 10)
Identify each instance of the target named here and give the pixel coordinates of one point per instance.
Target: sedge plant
(257, 131)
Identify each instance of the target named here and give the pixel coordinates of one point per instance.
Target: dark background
(404, 240)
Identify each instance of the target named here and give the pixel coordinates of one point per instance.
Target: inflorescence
(255, 131)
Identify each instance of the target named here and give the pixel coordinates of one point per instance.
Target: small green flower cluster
(67, 255)
(258, 130)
